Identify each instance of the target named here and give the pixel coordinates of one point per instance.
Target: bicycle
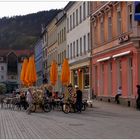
(45, 105)
(69, 107)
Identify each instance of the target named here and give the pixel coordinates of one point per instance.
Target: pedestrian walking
(138, 98)
(23, 102)
(29, 99)
(119, 93)
(78, 99)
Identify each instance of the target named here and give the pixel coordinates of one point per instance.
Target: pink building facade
(115, 51)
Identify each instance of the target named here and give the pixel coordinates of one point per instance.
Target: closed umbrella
(23, 71)
(32, 74)
(27, 80)
(53, 72)
(65, 76)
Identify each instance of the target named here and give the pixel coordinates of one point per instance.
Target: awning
(121, 54)
(103, 59)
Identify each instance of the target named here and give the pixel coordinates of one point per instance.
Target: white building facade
(61, 40)
(78, 44)
(44, 56)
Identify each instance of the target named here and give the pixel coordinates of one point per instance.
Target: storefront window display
(75, 77)
(86, 77)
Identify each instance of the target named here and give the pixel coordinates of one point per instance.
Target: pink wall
(114, 78)
(124, 62)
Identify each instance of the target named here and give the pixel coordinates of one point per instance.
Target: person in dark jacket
(78, 99)
(138, 98)
(119, 93)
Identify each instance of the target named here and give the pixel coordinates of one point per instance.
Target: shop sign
(137, 11)
(123, 38)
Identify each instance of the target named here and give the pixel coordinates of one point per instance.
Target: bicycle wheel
(33, 108)
(47, 107)
(66, 108)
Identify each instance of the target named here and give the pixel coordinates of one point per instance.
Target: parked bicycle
(70, 107)
(45, 105)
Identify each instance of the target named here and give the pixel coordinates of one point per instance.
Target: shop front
(80, 76)
(116, 68)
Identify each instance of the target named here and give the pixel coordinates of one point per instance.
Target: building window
(109, 28)
(80, 14)
(64, 33)
(130, 17)
(119, 22)
(84, 10)
(70, 22)
(65, 54)
(102, 79)
(119, 73)
(110, 78)
(62, 57)
(75, 77)
(58, 59)
(88, 41)
(95, 36)
(73, 20)
(102, 30)
(130, 76)
(88, 8)
(67, 24)
(81, 46)
(86, 77)
(76, 47)
(68, 52)
(84, 43)
(58, 38)
(77, 17)
(71, 50)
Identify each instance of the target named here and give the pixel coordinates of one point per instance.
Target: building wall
(52, 46)
(83, 27)
(114, 37)
(61, 39)
(78, 43)
(39, 61)
(44, 56)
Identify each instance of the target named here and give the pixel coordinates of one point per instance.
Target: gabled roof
(69, 5)
(5, 52)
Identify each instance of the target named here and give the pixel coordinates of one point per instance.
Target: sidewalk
(104, 120)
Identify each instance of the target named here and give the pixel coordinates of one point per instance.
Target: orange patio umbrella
(53, 73)
(32, 74)
(65, 76)
(23, 71)
(28, 73)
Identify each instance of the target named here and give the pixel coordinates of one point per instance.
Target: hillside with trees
(21, 32)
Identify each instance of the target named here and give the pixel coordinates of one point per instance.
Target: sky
(10, 8)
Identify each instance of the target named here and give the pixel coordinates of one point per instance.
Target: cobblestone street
(104, 120)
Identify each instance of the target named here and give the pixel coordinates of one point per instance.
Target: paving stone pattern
(104, 120)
